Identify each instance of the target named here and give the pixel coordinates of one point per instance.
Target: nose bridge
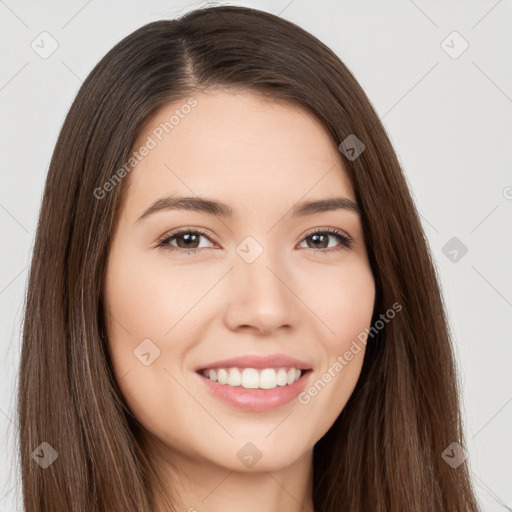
(260, 294)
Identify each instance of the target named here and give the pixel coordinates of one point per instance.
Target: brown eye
(320, 239)
(187, 240)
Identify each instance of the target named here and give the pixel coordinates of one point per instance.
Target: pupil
(316, 236)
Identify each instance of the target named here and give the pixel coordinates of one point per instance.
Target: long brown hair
(384, 451)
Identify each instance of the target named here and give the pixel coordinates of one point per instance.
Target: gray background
(449, 116)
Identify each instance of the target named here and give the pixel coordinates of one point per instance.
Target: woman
(298, 357)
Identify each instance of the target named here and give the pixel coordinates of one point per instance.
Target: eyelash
(346, 241)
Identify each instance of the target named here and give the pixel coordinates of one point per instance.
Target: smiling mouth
(252, 378)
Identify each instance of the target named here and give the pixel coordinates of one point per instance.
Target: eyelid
(332, 231)
(186, 229)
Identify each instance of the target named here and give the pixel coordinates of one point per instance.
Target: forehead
(246, 150)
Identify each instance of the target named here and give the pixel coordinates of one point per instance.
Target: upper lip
(258, 362)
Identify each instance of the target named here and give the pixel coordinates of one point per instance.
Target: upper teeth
(267, 378)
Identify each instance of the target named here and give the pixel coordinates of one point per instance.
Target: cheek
(345, 308)
(148, 299)
(137, 314)
(352, 306)
(342, 297)
(143, 303)
(149, 308)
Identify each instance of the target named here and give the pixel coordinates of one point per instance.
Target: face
(267, 281)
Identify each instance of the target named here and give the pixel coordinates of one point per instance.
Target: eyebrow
(220, 209)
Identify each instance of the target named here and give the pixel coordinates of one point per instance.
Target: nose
(261, 298)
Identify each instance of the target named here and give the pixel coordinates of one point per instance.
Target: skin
(261, 157)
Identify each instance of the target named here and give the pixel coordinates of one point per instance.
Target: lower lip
(256, 399)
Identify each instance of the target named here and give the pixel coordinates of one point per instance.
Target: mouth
(254, 378)
(254, 389)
